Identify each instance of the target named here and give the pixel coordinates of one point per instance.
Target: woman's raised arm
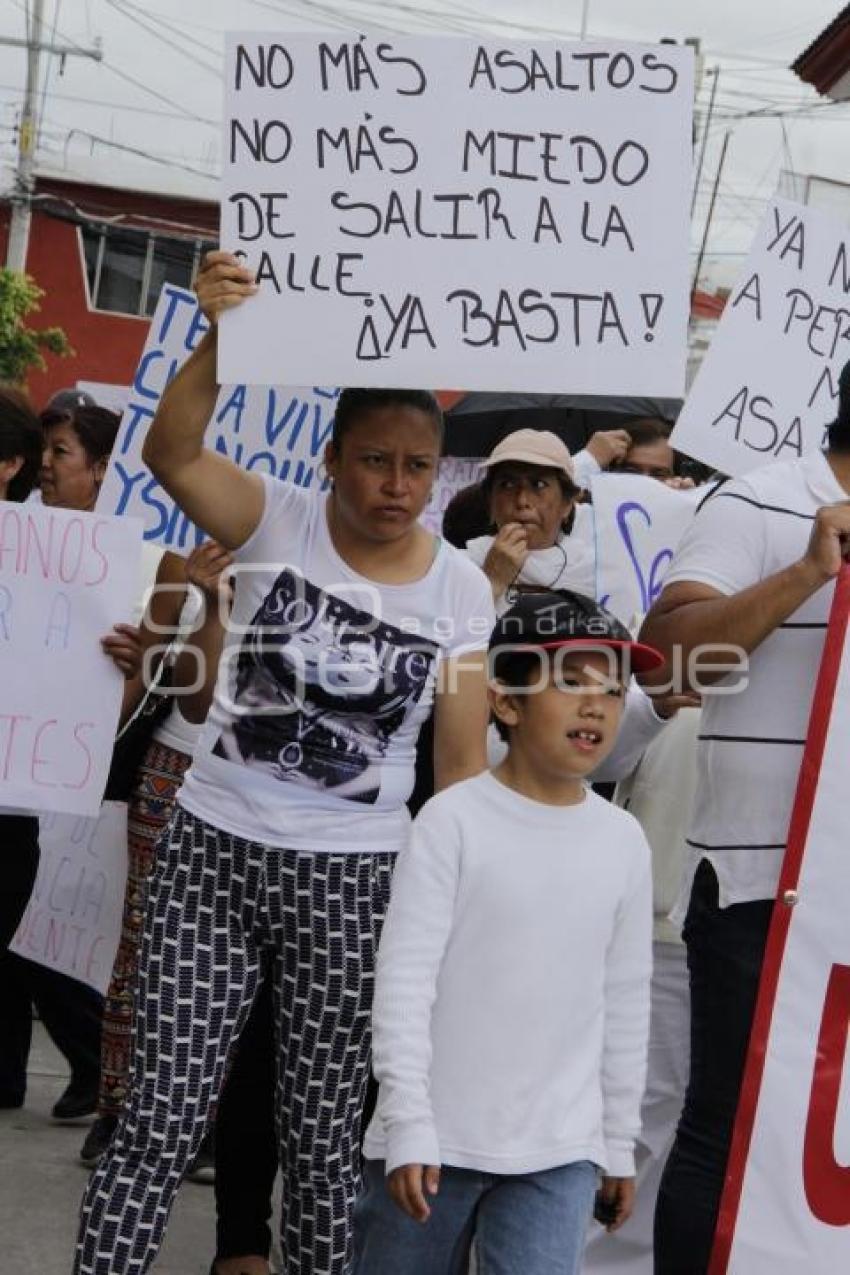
(224, 500)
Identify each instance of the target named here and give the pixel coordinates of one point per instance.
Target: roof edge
(827, 58)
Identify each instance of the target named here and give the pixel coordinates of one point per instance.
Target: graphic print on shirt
(321, 687)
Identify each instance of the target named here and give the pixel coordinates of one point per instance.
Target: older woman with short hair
(541, 538)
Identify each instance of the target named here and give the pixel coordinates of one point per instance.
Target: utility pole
(19, 228)
(715, 72)
(710, 216)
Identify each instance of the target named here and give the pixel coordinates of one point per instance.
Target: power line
(328, 15)
(161, 97)
(157, 35)
(49, 65)
(813, 110)
(460, 17)
(60, 134)
(139, 84)
(174, 26)
(136, 150)
(750, 215)
(792, 95)
(97, 101)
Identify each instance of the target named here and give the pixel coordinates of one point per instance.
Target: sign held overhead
(768, 386)
(444, 211)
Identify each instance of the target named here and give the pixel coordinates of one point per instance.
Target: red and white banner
(786, 1203)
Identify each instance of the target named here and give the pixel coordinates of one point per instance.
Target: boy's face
(566, 720)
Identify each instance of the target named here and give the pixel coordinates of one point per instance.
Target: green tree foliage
(21, 346)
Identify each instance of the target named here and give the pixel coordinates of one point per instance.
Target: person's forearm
(198, 663)
(176, 434)
(742, 621)
(500, 579)
(413, 944)
(461, 714)
(498, 586)
(628, 969)
(449, 771)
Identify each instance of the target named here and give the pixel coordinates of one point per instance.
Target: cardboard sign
(786, 1204)
(73, 919)
(65, 579)
(443, 211)
(769, 383)
(639, 522)
(275, 430)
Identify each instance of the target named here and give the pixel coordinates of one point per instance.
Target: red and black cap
(557, 618)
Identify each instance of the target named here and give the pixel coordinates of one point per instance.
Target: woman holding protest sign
(349, 622)
(68, 452)
(192, 661)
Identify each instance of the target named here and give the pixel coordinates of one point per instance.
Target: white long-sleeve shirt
(585, 468)
(512, 997)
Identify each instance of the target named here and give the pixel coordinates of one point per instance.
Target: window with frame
(127, 268)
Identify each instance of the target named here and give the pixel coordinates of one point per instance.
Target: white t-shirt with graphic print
(325, 681)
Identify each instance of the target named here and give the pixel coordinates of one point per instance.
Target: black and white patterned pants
(217, 905)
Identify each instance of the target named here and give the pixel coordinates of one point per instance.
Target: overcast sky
(158, 88)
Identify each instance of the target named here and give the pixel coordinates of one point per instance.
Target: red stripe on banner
(825, 1181)
(792, 863)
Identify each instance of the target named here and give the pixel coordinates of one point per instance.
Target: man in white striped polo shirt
(756, 571)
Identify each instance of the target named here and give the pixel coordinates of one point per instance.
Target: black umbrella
(477, 422)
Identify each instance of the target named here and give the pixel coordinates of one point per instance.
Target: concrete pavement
(42, 1180)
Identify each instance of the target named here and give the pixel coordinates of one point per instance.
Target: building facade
(101, 255)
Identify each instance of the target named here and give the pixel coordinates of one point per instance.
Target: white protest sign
(73, 919)
(786, 1205)
(444, 211)
(769, 383)
(65, 579)
(639, 522)
(275, 430)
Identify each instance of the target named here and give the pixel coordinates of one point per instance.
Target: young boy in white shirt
(512, 990)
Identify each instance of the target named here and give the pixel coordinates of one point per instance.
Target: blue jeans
(523, 1224)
